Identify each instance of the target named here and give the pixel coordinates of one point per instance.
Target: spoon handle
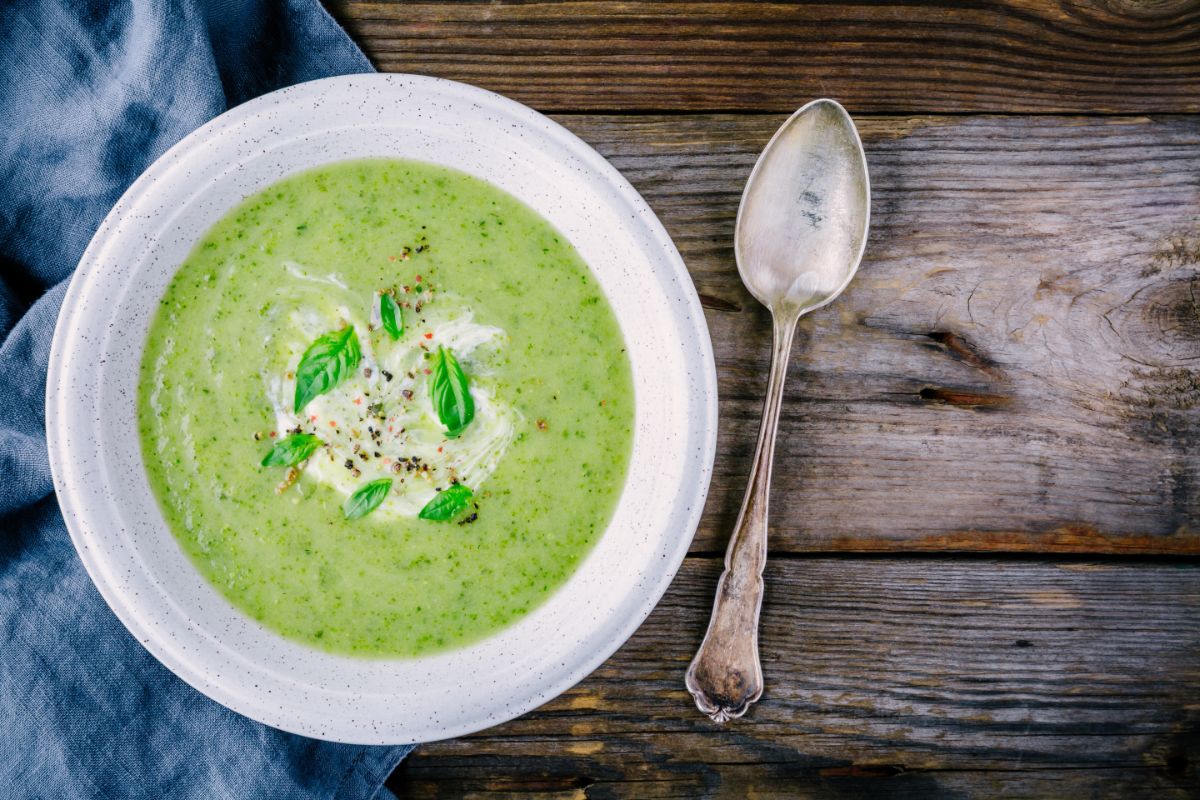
(725, 677)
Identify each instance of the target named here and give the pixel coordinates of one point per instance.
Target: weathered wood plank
(1017, 364)
(897, 678)
(1017, 56)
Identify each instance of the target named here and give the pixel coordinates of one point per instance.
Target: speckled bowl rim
(64, 408)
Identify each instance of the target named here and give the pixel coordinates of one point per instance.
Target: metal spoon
(798, 241)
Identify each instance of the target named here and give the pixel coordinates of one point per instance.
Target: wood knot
(962, 349)
(1173, 310)
(964, 399)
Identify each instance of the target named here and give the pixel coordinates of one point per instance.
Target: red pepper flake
(332, 423)
(272, 434)
(312, 417)
(358, 401)
(429, 336)
(391, 258)
(418, 279)
(427, 371)
(439, 449)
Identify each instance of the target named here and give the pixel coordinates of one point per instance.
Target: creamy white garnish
(380, 422)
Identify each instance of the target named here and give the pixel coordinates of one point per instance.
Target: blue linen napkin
(90, 94)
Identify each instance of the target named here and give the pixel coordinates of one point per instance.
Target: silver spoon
(799, 238)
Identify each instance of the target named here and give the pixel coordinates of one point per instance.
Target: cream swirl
(380, 421)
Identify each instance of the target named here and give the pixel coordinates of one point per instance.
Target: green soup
(472, 273)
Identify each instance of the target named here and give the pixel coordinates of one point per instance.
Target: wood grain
(1014, 56)
(899, 678)
(1015, 367)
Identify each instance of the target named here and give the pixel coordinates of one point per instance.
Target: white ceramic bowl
(136, 562)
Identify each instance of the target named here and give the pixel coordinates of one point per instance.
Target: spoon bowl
(800, 234)
(802, 225)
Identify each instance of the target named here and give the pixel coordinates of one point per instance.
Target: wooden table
(986, 510)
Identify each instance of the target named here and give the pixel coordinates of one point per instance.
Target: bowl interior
(137, 563)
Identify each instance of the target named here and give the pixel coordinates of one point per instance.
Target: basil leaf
(390, 314)
(366, 498)
(451, 395)
(326, 363)
(291, 450)
(448, 503)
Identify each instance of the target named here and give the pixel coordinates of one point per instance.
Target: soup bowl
(139, 566)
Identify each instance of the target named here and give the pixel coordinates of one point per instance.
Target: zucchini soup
(385, 408)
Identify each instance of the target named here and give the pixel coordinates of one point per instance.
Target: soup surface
(385, 408)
